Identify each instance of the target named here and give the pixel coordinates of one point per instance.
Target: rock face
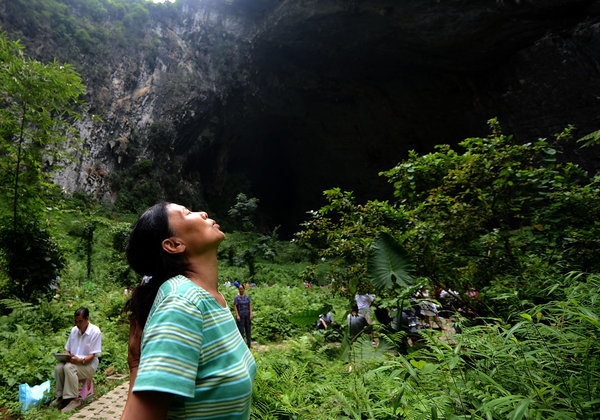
(282, 99)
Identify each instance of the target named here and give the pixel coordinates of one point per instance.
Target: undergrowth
(544, 366)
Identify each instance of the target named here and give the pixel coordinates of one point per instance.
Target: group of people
(423, 311)
(236, 283)
(358, 321)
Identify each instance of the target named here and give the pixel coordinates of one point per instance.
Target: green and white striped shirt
(192, 348)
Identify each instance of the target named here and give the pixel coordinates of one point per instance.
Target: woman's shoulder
(175, 285)
(182, 287)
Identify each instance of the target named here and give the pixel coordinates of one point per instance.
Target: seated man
(84, 347)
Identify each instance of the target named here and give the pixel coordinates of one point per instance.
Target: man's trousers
(67, 378)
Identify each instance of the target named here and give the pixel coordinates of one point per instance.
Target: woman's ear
(173, 245)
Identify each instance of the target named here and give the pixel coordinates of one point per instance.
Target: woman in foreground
(194, 363)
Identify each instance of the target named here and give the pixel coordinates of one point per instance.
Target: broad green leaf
(388, 264)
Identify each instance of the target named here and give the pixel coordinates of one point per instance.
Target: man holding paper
(82, 350)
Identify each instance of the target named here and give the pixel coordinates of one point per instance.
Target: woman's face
(194, 229)
(241, 289)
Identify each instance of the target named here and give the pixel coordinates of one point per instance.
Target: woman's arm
(147, 405)
(237, 314)
(133, 357)
(251, 316)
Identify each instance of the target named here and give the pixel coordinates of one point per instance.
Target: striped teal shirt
(192, 348)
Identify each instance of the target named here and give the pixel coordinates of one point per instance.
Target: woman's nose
(204, 215)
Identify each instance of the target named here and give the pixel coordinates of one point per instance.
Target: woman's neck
(204, 271)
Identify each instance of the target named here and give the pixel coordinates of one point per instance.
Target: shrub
(30, 257)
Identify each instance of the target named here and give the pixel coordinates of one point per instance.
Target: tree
(31, 258)
(37, 111)
(501, 214)
(500, 209)
(342, 231)
(243, 211)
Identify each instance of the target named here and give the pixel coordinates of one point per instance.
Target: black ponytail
(147, 258)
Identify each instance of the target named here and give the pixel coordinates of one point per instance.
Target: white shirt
(82, 345)
(364, 302)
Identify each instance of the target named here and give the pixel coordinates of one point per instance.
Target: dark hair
(84, 312)
(354, 308)
(147, 257)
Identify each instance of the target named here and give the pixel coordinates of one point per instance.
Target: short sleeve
(96, 342)
(171, 348)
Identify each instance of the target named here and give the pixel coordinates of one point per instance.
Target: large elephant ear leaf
(389, 264)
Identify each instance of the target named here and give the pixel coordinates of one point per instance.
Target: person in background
(84, 346)
(356, 323)
(192, 361)
(326, 321)
(364, 302)
(236, 283)
(429, 310)
(54, 285)
(472, 304)
(227, 282)
(243, 314)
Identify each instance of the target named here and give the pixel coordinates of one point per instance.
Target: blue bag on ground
(32, 396)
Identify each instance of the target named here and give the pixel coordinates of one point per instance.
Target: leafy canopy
(500, 212)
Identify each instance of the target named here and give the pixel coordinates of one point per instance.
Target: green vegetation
(77, 27)
(544, 365)
(529, 350)
(502, 216)
(96, 274)
(38, 107)
(514, 220)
